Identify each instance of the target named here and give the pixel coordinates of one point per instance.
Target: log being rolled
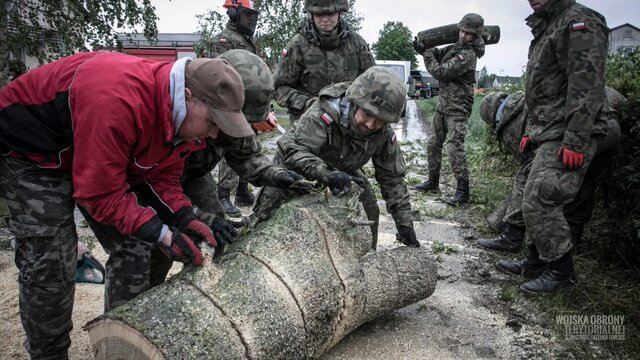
(291, 288)
(448, 34)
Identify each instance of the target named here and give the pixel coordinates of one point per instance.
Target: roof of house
(623, 25)
(507, 79)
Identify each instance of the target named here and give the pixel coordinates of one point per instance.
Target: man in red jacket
(109, 132)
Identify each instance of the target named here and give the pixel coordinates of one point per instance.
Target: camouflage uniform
(565, 97)
(325, 139)
(227, 39)
(47, 281)
(454, 66)
(511, 124)
(312, 61)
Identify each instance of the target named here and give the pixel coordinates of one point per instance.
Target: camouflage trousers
(577, 212)
(269, 198)
(41, 218)
(227, 178)
(452, 129)
(133, 266)
(549, 189)
(202, 191)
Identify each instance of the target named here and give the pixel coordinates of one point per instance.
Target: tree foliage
(278, 22)
(49, 29)
(395, 43)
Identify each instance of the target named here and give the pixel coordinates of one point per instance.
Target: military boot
(509, 241)
(462, 193)
(244, 196)
(531, 267)
(227, 205)
(559, 274)
(432, 184)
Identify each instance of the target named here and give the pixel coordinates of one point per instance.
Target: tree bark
(448, 34)
(290, 288)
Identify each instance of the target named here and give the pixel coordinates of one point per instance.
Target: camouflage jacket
(565, 74)
(243, 156)
(229, 39)
(323, 140)
(455, 67)
(311, 62)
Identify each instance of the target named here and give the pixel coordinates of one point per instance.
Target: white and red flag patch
(578, 26)
(284, 52)
(326, 118)
(222, 41)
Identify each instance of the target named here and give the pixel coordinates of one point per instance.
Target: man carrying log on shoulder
(349, 125)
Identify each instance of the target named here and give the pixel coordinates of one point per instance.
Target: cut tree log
(448, 34)
(290, 288)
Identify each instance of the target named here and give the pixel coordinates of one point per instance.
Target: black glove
(224, 231)
(182, 248)
(407, 236)
(418, 46)
(285, 179)
(339, 182)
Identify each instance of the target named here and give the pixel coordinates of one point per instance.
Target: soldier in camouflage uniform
(346, 128)
(507, 115)
(455, 67)
(564, 95)
(325, 51)
(238, 34)
(198, 184)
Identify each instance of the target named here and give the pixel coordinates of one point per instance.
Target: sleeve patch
(578, 26)
(222, 41)
(394, 138)
(460, 57)
(326, 118)
(284, 52)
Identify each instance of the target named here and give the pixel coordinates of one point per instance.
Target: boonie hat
(217, 84)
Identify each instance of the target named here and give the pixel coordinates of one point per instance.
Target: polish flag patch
(326, 118)
(578, 26)
(394, 138)
(284, 52)
(222, 41)
(460, 57)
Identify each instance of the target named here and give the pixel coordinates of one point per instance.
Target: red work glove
(200, 232)
(571, 160)
(524, 144)
(182, 248)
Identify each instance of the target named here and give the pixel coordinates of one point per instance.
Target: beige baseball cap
(217, 84)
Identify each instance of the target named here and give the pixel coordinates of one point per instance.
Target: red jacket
(107, 118)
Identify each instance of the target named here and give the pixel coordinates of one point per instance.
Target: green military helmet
(380, 92)
(472, 23)
(489, 107)
(257, 80)
(325, 6)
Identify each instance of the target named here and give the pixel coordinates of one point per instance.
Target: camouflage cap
(217, 84)
(472, 23)
(325, 6)
(257, 80)
(489, 107)
(380, 92)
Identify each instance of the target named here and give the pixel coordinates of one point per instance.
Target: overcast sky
(508, 57)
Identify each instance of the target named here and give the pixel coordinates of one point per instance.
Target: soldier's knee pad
(45, 255)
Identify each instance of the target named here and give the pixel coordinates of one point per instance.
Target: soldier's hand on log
(418, 46)
(407, 236)
(289, 179)
(224, 231)
(571, 160)
(181, 248)
(338, 182)
(200, 232)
